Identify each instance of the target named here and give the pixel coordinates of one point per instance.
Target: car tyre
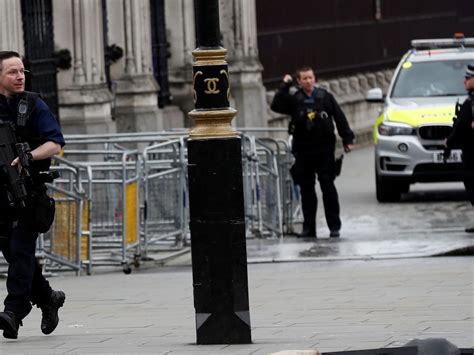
(387, 192)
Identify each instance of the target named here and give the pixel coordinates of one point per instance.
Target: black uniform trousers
(26, 284)
(468, 167)
(322, 165)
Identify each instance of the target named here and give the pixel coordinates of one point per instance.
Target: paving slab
(328, 306)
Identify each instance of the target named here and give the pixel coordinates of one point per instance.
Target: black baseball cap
(469, 71)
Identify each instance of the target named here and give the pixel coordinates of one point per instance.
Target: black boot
(10, 324)
(50, 318)
(307, 233)
(334, 233)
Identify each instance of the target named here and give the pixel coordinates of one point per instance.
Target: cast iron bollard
(218, 245)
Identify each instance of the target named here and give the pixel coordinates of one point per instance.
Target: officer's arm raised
(283, 102)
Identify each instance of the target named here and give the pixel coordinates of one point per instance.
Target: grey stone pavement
(380, 285)
(324, 305)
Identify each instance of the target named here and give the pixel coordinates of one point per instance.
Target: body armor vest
(20, 110)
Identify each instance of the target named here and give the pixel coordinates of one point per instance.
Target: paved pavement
(377, 286)
(329, 306)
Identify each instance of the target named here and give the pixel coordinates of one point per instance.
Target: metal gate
(38, 35)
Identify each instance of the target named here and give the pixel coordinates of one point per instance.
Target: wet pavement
(418, 243)
(357, 246)
(428, 221)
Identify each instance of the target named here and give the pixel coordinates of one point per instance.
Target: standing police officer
(462, 136)
(19, 226)
(313, 112)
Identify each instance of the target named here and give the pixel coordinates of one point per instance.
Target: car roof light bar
(442, 43)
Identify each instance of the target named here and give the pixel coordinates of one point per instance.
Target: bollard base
(218, 244)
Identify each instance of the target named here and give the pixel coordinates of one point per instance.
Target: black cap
(469, 72)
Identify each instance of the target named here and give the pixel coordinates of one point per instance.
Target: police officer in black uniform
(313, 113)
(462, 136)
(19, 226)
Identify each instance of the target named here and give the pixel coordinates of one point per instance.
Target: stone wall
(350, 93)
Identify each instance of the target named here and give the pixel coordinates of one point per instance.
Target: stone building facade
(100, 94)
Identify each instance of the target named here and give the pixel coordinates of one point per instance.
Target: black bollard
(217, 220)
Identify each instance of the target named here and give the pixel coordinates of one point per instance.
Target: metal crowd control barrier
(115, 204)
(267, 187)
(282, 154)
(113, 185)
(165, 194)
(262, 191)
(67, 243)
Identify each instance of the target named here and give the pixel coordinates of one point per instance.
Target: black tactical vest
(313, 124)
(20, 110)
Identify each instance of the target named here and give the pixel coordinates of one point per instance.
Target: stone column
(136, 102)
(11, 31)
(182, 38)
(84, 100)
(239, 29)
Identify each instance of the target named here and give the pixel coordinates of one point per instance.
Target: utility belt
(41, 206)
(38, 211)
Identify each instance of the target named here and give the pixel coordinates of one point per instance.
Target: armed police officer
(462, 136)
(313, 112)
(32, 122)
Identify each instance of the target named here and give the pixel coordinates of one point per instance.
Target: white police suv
(418, 115)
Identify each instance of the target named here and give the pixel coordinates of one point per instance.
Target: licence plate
(455, 157)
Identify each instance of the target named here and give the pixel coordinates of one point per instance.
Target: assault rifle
(16, 178)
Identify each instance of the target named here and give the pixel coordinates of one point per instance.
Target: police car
(418, 115)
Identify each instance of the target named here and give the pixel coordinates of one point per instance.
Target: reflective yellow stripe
(419, 116)
(376, 127)
(416, 117)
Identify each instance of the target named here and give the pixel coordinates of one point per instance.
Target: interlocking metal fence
(112, 185)
(165, 194)
(262, 189)
(67, 244)
(122, 197)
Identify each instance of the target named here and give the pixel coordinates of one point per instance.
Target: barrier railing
(262, 194)
(122, 196)
(268, 187)
(113, 185)
(67, 243)
(165, 194)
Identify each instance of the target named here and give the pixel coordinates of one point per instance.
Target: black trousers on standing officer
(26, 284)
(308, 166)
(468, 166)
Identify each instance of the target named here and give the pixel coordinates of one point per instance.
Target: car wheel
(386, 192)
(404, 188)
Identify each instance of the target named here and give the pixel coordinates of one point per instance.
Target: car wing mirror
(374, 95)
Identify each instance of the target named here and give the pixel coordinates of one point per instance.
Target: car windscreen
(428, 79)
